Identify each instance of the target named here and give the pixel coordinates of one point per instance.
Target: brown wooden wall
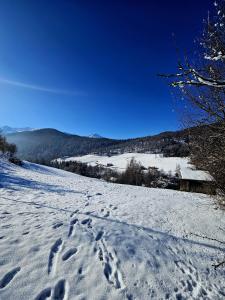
(196, 186)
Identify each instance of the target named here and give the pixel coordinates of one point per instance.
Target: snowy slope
(168, 164)
(63, 236)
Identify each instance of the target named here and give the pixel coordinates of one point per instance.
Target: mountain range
(4, 130)
(46, 144)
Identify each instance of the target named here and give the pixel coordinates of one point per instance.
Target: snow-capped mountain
(7, 129)
(95, 136)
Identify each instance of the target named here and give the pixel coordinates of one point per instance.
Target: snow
(167, 164)
(95, 136)
(63, 236)
(193, 174)
(120, 162)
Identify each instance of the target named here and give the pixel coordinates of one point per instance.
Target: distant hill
(47, 144)
(171, 143)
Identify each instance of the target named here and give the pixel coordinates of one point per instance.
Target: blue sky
(90, 66)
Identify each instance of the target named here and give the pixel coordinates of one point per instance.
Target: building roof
(193, 174)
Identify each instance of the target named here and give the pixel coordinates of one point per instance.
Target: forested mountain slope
(47, 144)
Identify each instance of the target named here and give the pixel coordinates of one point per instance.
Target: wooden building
(196, 181)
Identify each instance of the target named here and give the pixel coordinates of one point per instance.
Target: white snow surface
(120, 162)
(166, 164)
(65, 237)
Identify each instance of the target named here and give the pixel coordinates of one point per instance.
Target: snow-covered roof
(193, 174)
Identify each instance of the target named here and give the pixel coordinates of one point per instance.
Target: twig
(207, 238)
(218, 265)
(215, 240)
(221, 229)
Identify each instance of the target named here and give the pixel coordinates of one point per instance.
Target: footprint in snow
(45, 294)
(71, 227)
(52, 260)
(8, 277)
(69, 253)
(60, 290)
(86, 222)
(57, 225)
(99, 235)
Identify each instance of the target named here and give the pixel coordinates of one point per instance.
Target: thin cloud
(41, 88)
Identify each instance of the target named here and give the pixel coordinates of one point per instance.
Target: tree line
(9, 150)
(134, 174)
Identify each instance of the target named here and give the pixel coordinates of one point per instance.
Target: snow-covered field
(120, 162)
(63, 236)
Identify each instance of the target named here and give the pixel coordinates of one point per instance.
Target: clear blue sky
(90, 66)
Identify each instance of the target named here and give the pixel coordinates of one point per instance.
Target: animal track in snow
(71, 228)
(110, 267)
(109, 209)
(74, 213)
(45, 294)
(69, 253)
(192, 283)
(52, 260)
(7, 278)
(60, 290)
(107, 214)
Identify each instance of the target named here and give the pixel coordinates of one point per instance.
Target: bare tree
(202, 84)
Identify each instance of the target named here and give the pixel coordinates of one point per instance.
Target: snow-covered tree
(201, 80)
